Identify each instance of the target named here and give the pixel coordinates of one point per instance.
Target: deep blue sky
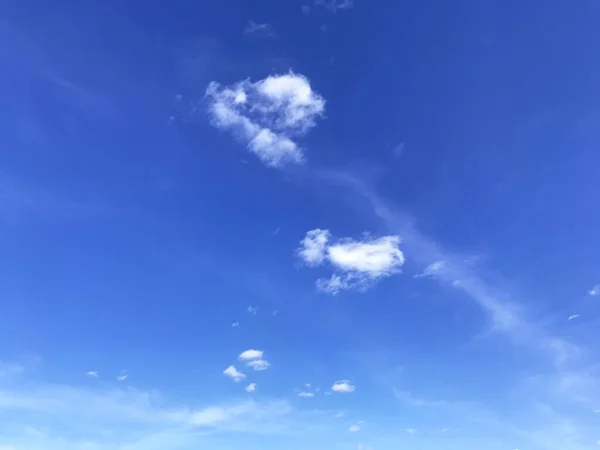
(162, 165)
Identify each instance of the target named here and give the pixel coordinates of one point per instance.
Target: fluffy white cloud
(251, 354)
(354, 428)
(259, 364)
(267, 114)
(254, 359)
(234, 374)
(358, 263)
(251, 387)
(343, 386)
(304, 394)
(92, 374)
(573, 317)
(594, 291)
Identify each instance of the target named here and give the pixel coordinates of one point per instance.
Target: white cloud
(338, 415)
(334, 5)
(304, 394)
(354, 428)
(260, 29)
(123, 376)
(411, 430)
(431, 269)
(92, 374)
(251, 354)
(234, 374)
(343, 386)
(251, 387)
(252, 310)
(235, 325)
(259, 364)
(358, 264)
(574, 316)
(267, 114)
(594, 291)
(254, 359)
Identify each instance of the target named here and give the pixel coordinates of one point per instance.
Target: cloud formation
(334, 5)
(267, 115)
(260, 30)
(254, 359)
(251, 387)
(234, 374)
(358, 264)
(304, 394)
(343, 387)
(92, 374)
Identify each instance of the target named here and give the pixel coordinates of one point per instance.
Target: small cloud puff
(254, 359)
(234, 374)
(334, 5)
(594, 291)
(260, 30)
(92, 373)
(267, 115)
(358, 263)
(304, 394)
(574, 316)
(354, 428)
(343, 386)
(251, 387)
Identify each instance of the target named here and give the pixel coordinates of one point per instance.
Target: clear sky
(324, 224)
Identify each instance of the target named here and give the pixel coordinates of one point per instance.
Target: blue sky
(305, 224)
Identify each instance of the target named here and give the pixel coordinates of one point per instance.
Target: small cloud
(443, 430)
(334, 5)
(251, 387)
(305, 10)
(252, 310)
(275, 312)
(250, 354)
(267, 115)
(398, 150)
(123, 376)
(432, 269)
(263, 30)
(304, 394)
(343, 386)
(277, 230)
(234, 374)
(92, 374)
(411, 431)
(259, 364)
(235, 325)
(574, 316)
(338, 415)
(594, 291)
(358, 264)
(354, 428)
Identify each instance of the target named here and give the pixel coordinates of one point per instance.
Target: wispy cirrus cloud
(267, 115)
(261, 30)
(358, 264)
(335, 5)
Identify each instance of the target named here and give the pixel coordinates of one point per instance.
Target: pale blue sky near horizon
(357, 225)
